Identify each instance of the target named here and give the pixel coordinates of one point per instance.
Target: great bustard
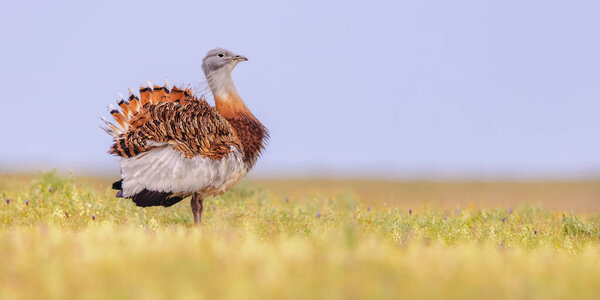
(173, 144)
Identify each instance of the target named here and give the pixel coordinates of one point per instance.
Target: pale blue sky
(370, 87)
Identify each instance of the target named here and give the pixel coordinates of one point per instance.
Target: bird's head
(219, 61)
(217, 67)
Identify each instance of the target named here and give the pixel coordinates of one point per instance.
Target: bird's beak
(240, 58)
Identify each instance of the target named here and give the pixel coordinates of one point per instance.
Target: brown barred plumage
(187, 123)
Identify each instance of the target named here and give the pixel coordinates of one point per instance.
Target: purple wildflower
(445, 218)
(318, 215)
(287, 199)
(50, 189)
(410, 211)
(7, 200)
(93, 217)
(213, 207)
(27, 202)
(503, 220)
(535, 232)
(510, 210)
(368, 208)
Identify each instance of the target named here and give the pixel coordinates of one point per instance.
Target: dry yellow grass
(70, 238)
(577, 196)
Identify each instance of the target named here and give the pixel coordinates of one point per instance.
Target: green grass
(74, 239)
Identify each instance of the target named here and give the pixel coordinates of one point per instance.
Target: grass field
(302, 239)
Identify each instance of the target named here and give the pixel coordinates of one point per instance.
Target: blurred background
(377, 89)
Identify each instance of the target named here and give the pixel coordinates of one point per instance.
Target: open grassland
(62, 238)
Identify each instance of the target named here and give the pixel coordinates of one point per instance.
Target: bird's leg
(197, 208)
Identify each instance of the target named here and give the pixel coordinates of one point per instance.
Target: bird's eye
(220, 54)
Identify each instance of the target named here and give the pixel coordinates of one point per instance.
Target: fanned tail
(129, 110)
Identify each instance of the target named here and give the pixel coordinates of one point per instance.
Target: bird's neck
(250, 132)
(227, 100)
(231, 106)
